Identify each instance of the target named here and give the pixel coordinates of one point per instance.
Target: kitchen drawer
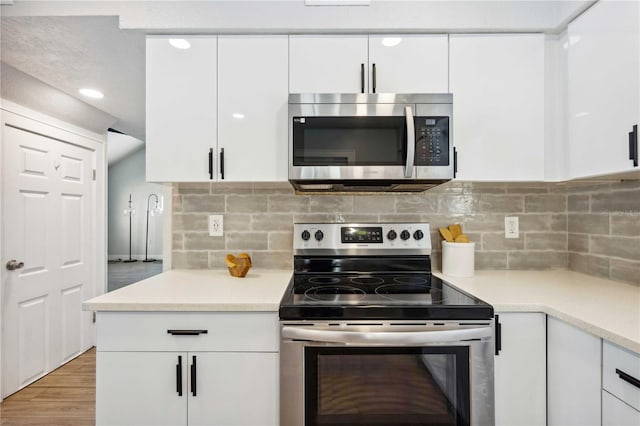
(225, 331)
(626, 362)
(617, 413)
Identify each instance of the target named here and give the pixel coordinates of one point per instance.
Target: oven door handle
(415, 338)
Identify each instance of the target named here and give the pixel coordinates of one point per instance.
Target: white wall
(128, 177)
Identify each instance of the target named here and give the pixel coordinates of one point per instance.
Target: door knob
(14, 264)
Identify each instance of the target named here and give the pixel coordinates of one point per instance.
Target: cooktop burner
(334, 293)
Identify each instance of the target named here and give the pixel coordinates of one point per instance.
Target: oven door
(393, 374)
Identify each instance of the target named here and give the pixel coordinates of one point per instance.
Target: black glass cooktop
(380, 296)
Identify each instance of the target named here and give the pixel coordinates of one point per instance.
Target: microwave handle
(411, 142)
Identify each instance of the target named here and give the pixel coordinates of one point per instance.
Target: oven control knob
(392, 235)
(405, 235)
(319, 235)
(306, 235)
(418, 235)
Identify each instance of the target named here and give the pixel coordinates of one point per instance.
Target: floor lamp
(130, 211)
(156, 209)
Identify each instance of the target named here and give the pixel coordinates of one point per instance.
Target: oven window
(349, 141)
(387, 386)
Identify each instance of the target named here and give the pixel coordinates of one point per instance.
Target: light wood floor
(65, 397)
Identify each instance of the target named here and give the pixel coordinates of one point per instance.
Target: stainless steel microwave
(370, 142)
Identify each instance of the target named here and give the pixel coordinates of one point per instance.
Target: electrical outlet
(216, 225)
(511, 227)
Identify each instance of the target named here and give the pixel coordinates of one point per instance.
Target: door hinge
(94, 317)
(94, 174)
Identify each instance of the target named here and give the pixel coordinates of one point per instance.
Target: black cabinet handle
(633, 145)
(455, 161)
(179, 376)
(193, 376)
(498, 335)
(373, 77)
(221, 163)
(186, 332)
(361, 78)
(628, 378)
(211, 163)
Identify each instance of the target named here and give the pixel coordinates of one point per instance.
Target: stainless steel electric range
(370, 337)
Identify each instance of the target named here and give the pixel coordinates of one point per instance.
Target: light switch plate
(216, 225)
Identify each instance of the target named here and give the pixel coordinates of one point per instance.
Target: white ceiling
(89, 47)
(73, 52)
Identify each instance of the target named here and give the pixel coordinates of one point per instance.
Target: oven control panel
(351, 236)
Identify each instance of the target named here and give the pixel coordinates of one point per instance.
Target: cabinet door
(520, 370)
(617, 413)
(574, 365)
(252, 101)
(328, 64)
(497, 81)
(141, 388)
(409, 64)
(181, 109)
(604, 88)
(234, 388)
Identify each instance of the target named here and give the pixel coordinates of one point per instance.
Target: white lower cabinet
(574, 360)
(620, 386)
(139, 388)
(617, 413)
(520, 368)
(195, 388)
(187, 369)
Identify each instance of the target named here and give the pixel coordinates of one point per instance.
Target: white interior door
(47, 224)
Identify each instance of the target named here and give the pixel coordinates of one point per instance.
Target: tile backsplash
(588, 228)
(604, 230)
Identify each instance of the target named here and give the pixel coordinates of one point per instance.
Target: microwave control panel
(432, 141)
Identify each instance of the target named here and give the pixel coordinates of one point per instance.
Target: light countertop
(604, 308)
(198, 290)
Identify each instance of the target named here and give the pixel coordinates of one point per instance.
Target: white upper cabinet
(221, 94)
(409, 64)
(252, 107)
(497, 81)
(181, 108)
(368, 64)
(604, 90)
(328, 64)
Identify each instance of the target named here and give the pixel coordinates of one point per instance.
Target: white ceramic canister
(458, 259)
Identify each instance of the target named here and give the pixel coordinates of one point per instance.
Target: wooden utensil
(446, 234)
(455, 229)
(462, 238)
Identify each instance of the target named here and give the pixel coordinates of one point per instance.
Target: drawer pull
(186, 332)
(628, 378)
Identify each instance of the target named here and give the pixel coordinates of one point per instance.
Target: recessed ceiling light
(237, 115)
(91, 93)
(391, 41)
(179, 43)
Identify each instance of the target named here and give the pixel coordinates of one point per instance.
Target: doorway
(135, 214)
